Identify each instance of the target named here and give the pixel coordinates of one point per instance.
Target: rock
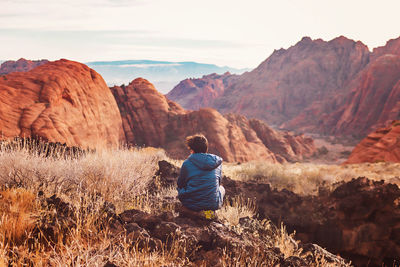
(150, 119)
(61, 101)
(330, 88)
(194, 94)
(110, 264)
(21, 65)
(357, 220)
(291, 80)
(373, 100)
(392, 47)
(289, 146)
(381, 145)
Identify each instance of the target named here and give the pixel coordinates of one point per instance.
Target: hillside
(61, 101)
(197, 93)
(150, 119)
(332, 88)
(381, 145)
(67, 102)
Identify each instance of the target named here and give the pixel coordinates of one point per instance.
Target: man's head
(198, 143)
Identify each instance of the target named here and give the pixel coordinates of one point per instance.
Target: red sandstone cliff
(21, 65)
(150, 119)
(372, 100)
(197, 93)
(333, 88)
(289, 81)
(392, 47)
(61, 101)
(381, 145)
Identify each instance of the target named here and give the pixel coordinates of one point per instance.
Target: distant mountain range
(164, 74)
(336, 88)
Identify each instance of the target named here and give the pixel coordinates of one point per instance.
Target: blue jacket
(198, 182)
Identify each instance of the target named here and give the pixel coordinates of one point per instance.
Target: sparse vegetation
(307, 178)
(94, 182)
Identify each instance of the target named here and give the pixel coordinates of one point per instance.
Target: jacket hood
(205, 161)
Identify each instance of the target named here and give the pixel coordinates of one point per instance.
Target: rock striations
(381, 145)
(334, 88)
(21, 65)
(150, 119)
(197, 93)
(61, 101)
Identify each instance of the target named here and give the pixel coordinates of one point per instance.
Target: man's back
(199, 182)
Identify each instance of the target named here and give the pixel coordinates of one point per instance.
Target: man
(199, 186)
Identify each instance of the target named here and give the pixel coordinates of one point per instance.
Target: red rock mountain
(392, 47)
(372, 100)
(62, 101)
(197, 93)
(150, 119)
(21, 65)
(381, 145)
(291, 80)
(335, 88)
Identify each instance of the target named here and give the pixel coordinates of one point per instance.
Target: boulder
(61, 101)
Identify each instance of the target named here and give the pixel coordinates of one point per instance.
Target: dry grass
(87, 182)
(120, 177)
(306, 178)
(237, 208)
(18, 210)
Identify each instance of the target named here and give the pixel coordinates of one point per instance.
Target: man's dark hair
(198, 143)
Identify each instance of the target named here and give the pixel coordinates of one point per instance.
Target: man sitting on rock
(199, 187)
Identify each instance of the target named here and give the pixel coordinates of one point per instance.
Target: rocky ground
(195, 240)
(359, 220)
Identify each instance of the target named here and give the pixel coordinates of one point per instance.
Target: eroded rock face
(381, 145)
(21, 65)
(61, 101)
(194, 94)
(150, 119)
(332, 88)
(392, 47)
(287, 145)
(372, 102)
(291, 80)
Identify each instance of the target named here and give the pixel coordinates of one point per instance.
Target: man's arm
(182, 179)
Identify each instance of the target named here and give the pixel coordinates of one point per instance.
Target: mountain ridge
(303, 87)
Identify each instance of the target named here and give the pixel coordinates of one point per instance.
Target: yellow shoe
(209, 214)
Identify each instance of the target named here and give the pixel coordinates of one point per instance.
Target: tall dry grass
(307, 178)
(86, 181)
(117, 175)
(90, 180)
(18, 211)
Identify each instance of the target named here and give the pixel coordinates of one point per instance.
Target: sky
(235, 33)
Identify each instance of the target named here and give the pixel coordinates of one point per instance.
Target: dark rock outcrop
(358, 220)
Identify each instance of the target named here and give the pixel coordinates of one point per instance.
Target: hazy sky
(234, 33)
